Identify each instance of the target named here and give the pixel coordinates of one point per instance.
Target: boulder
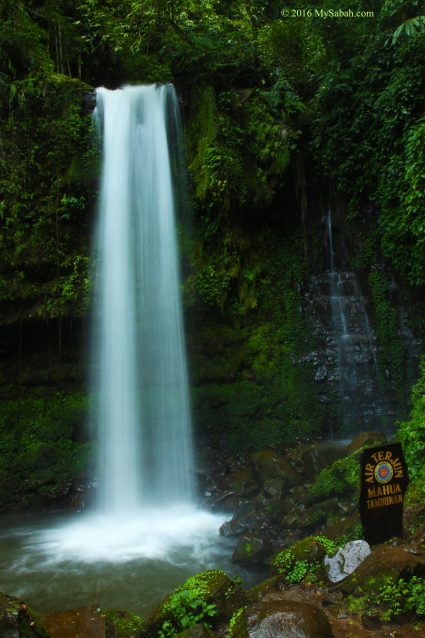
(17, 620)
(269, 464)
(275, 487)
(242, 483)
(319, 513)
(286, 618)
(122, 624)
(315, 457)
(384, 561)
(303, 559)
(86, 622)
(212, 591)
(346, 560)
(197, 631)
(252, 550)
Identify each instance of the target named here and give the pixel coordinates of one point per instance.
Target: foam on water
(55, 562)
(151, 534)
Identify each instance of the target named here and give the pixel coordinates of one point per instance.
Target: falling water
(355, 343)
(146, 534)
(141, 411)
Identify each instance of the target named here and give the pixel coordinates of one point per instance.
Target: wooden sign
(384, 481)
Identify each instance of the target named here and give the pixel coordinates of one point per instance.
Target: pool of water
(57, 561)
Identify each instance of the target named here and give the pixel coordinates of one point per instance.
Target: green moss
(231, 630)
(342, 478)
(302, 561)
(389, 598)
(125, 623)
(43, 447)
(390, 352)
(412, 432)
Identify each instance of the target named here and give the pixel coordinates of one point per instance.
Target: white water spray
(141, 411)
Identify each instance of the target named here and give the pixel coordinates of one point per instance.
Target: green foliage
(412, 432)
(368, 133)
(295, 568)
(410, 27)
(187, 609)
(191, 603)
(339, 479)
(44, 257)
(230, 633)
(390, 598)
(125, 623)
(391, 352)
(42, 446)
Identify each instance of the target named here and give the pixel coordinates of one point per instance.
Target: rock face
(285, 618)
(347, 351)
(346, 560)
(19, 621)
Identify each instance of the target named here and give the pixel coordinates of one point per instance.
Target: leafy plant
(187, 608)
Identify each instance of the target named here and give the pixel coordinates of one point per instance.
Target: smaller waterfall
(346, 360)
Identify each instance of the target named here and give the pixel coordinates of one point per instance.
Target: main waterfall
(141, 409)
(145, 534)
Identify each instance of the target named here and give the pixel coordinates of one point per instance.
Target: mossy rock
(303, 561)
(122, 624)
(243, 482)
(341, 479)
(269, 464)
(287, 618)
(17, 620)
(209, 598)
(252, 549)
(347, 528)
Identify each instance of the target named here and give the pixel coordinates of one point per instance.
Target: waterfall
(357, 369)
(141, 409)
(345, 359)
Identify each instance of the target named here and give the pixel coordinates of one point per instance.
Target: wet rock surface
(17, 620)
(252, 549)
(288, 618)
(86, 622)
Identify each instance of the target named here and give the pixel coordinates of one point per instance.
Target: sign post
(384, 481)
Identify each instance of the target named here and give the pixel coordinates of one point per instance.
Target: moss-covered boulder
(209, 598)
(252, 549)
(242, 482)
(287, 618)
(17, 620)
(341, 479)
(303, 561)
(269, 464)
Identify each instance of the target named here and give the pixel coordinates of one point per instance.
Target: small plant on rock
(187, 609)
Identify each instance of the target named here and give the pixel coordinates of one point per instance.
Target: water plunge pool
(60, 561)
